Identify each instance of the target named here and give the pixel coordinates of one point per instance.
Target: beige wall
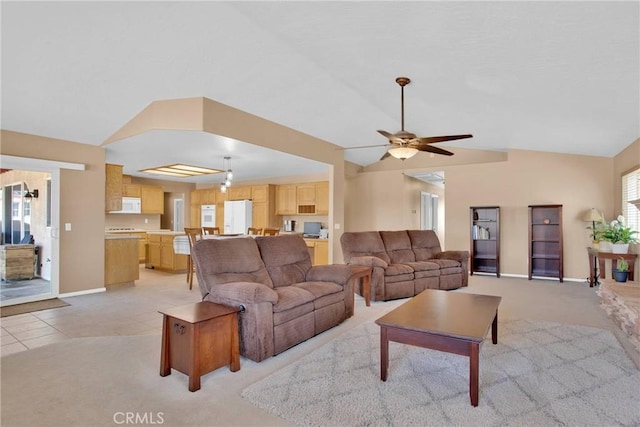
(511, 181)
(81, 204)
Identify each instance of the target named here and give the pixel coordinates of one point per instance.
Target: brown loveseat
(285, 299)
(405, 262)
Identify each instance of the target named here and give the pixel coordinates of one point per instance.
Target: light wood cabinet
(220, 199)
(113, 187)
(239, 193)
(264, 207)
(142, 245)
(152, 199)
(161, 255)
(286, 203)
(260, 193)
(303, 199)
(131, 190)
(306, 194)
(208, 196)
(322, 198)
(121, 261)
(318, 251)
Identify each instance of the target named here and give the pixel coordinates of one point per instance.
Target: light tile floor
(130, 310)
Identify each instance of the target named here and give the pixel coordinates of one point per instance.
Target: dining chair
(194, 234)
(253, 231)
(271, 232)
(210, 230)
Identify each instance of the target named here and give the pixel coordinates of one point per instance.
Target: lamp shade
(403, 153)
(592, 215)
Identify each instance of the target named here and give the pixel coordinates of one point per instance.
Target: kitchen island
(120, 260)
(161, 255)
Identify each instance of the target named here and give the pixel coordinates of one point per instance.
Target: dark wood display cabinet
(485, 240)
(545, 241)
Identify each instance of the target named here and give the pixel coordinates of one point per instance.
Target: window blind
(631, 193)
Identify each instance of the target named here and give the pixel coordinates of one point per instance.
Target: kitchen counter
(167, 233)
(110, 236)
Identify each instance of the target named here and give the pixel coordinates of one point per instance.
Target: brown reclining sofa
(405, 262)
(285, 300)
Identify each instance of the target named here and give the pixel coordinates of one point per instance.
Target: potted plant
(619, 235)
(597, 229)
(621, 273)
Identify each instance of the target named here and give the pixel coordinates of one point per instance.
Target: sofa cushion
(423, 265)
(285, 257)
(290, 297)
(325, 293)
(363, 243)
(398, 246)
(398, 269)
(220, 261)
(425, 244)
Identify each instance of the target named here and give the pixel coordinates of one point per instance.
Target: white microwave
(130, 205)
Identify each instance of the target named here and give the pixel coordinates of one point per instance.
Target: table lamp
(592, 216)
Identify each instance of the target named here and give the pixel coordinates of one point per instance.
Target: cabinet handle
(178, 328)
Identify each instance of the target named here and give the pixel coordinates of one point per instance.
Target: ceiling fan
(403, 144)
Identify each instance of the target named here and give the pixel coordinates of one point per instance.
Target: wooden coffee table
(453, 322)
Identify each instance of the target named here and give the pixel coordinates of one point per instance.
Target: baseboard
(551, 279)
(87, 292)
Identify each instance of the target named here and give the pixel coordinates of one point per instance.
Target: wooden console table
(596, 269)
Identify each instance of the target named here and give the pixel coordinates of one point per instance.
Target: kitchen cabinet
(131, 190)
(318, 251)
(142, 245)
(152, 199)
(322, 198)
(113, 187)
(310, 198)
(263, 207)
(197, 198)
(161, 255)
(121, 260)
(239, 193)
(220, 199)
(286, 203)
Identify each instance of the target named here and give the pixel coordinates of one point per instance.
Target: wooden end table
(453, 322)
(597, 264)
(199, 338)
(363, 273)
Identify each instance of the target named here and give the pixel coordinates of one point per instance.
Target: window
(16, 215)
(631, 192)
(429, 207)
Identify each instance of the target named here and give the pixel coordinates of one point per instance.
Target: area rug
(30, 307)
(539, 374)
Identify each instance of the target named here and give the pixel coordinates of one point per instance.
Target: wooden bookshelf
(485, 240)
(545, 241)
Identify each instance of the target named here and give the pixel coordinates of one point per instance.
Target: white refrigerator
(237, 216)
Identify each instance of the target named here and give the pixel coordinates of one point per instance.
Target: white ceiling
(550, 76)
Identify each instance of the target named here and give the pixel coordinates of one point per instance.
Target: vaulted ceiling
(550, 76)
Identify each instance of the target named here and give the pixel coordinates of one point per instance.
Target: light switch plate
(67, 226)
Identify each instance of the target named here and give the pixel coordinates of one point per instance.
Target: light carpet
(540, 373)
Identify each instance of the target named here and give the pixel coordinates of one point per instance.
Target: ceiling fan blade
(362, 146)
(432, 139)
(432, 149)
(385, 155)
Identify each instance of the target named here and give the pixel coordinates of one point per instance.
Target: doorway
(51, 199)
(25, 234)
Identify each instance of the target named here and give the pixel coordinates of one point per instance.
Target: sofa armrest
(244, 292)
(460, 256)
(368, 261)
(337, 273)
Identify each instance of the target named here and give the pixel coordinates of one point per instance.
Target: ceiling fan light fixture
(402, 153)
